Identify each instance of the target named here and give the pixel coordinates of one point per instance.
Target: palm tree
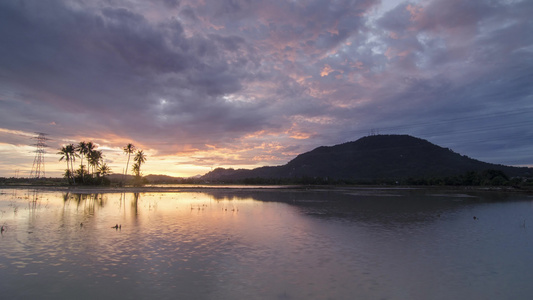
(82, 149)
(136, 169)
(68, 175)
(81, 171)
(95, 158)
(90, 149)
(129, 149)
(71, 149)
(104, 169)
(65, 154)
(140, 158)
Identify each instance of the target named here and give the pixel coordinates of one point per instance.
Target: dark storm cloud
(116, 63)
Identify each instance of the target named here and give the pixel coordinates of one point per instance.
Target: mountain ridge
(371, 158)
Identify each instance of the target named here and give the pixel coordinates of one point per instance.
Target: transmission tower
(37, 170)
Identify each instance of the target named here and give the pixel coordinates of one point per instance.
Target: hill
(371, 158)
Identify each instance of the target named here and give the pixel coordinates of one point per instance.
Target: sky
(201, 84)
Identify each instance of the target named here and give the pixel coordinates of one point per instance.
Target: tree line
(94, 170)
(489, 177)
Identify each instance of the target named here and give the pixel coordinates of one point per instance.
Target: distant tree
(68, 153)
(81, 172)
(494, 177)
(95, 158)
(89, 151)
(136, 169)
(82, 149)
(140, 158)
(65, 154)
(68, 174)
(71, 149)
(104, 169)
(471, 178)
(129, 149)
(95, 163)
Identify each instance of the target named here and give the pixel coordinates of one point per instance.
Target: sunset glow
(204, 84)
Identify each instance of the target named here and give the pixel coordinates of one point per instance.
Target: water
(266, 244)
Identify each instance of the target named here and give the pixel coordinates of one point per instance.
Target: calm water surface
(266, 244)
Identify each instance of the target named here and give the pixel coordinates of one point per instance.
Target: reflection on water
(268, 244)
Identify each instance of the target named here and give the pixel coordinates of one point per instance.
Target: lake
(343, 243)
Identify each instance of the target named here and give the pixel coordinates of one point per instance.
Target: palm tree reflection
(89, 202)
(135, 203)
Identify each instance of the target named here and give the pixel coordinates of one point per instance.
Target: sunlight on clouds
(215, 157)
(18, 161)
(415, 11)
(301, 79)
(299, 135)
(10, 150)
(316, 120)
(334, 30)
(237, 98)
(265, 158)
(173, 166)
(358, 65)
(257, 134)
(300, 128)
(314, 90)
(17, 132)
(392, 53)
(326, 70)
(270, 147)
(235, 83)
(254, 150)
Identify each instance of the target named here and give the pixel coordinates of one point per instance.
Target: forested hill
(372, 158)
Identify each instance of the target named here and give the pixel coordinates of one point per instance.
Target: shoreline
(309, 188)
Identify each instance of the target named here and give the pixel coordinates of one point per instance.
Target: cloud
(116, 63)
(177, 76)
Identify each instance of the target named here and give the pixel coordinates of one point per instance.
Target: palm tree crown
(95, 158)
(90, 149)
(140, 158)
(71, 149)
(82, 150)
(68, 153)
(65, 154)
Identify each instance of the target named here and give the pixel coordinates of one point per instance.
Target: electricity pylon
(37, 170)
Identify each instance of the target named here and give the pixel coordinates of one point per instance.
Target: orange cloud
(326, 70)
(415, 11)
(265, 158)
(300, 135)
